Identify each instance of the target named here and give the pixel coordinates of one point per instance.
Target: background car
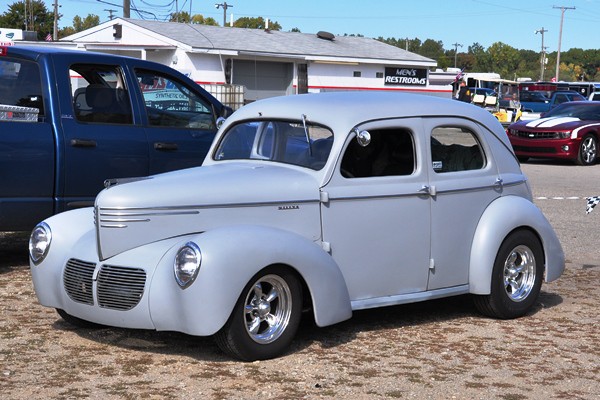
(329, 202)
(569, 131)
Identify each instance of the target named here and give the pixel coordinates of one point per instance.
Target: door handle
(426, 189)
(83, 143)
(165, 146)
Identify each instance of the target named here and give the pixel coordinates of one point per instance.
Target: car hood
(142, 211)
(553, 123)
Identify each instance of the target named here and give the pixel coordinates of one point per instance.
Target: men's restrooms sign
(406, 76)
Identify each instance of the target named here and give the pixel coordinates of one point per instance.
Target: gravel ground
(433, 350)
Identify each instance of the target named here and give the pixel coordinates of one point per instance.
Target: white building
(265, 63)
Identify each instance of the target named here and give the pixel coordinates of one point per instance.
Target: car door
(180, 123)
(376, 222)
(26, 148)
(101, 137)
(463, 182)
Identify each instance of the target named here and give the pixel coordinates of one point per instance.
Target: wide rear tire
(516, 277)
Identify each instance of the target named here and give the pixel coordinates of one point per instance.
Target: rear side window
(455, 149)
(171, 103)
(100, 94)
(20, 91)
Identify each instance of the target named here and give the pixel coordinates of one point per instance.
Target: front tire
(588, 150)
(265, 318)
(516, 277)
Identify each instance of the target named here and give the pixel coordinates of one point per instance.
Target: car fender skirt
(231, 256)
(500, 218)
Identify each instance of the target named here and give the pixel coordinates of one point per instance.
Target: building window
(357, 74)
(378, 74)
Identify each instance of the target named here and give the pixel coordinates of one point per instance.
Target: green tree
(256, 23)
(201, 20)
(79, 25)
(182, 16)
(504, 59)
(432, 49)
(38, 18)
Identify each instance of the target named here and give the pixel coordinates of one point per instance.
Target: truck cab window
(20, 91)
(171, 103)
(99, 94)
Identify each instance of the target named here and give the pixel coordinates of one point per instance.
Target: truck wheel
(516, 277)
(265, 318)
(78, 322)
(588, 150)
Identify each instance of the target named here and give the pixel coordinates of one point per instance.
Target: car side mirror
(363, 138)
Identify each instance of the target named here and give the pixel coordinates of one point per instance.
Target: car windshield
(583, 111)
(290, 142)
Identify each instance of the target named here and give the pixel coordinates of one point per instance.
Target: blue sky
(512, 22)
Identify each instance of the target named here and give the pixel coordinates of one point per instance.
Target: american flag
(48, 37)
(459, 76)
(591, 203)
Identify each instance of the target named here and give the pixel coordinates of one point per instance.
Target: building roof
(265, 43)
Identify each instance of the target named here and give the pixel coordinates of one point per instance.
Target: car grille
(118, 288)
(78, 281)
(536, 135)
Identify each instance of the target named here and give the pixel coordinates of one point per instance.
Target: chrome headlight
(187, 264)
(39, 242)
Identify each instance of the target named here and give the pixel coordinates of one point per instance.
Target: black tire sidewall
(503, 305)
(235, 328)
(580, 159)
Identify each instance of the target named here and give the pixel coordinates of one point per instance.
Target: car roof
(342, 111)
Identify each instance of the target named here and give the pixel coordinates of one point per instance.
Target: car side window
(170, 103)
(390, 152)
(100, 94)
(455, 149)
(20, 91)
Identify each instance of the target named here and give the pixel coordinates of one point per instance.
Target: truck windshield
(289, 142)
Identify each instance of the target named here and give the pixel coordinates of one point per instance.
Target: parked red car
(569, 131)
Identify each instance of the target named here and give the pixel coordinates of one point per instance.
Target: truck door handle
(165, 146)
(83, 143)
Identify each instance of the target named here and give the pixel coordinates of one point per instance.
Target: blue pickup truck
(70, 120)
(538, 102)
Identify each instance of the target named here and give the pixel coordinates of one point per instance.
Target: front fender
(499, 219)
(231, 256)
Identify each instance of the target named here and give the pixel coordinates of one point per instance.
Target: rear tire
(516, 277)
(265, 318)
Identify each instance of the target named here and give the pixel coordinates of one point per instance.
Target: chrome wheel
(268, 308)
(588, 150)
(519, 273)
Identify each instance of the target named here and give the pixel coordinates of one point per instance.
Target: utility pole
(562, 17)
(126, 8)
(110, 13)
(543, 59)
(225, 6)
(456, 51)
(55, 32)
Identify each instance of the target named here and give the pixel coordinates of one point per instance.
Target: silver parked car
(330, 202)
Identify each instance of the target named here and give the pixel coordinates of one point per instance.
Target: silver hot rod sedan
(328, 202)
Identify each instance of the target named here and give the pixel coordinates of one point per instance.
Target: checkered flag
(591, 203)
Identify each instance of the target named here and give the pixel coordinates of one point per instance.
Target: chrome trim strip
(421, 194)
(123, 220)
(363, 304)
(114, 226)
(200, 207)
